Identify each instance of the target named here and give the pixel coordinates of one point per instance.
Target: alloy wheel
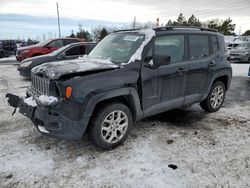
(114, 126)
(217, 97)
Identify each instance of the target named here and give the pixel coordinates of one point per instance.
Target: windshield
(117, 47)
(244, 46)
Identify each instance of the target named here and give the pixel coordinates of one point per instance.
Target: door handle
(211, 64)
(181, 70)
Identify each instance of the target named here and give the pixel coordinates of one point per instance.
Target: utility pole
(134, 22)
(58, 20)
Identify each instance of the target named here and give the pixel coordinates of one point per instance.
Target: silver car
(240, 54)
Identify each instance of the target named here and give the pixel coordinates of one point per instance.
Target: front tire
(110, 126)
(215, 98)
(2, 54)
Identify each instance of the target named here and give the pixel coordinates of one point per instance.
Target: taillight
(69, 92)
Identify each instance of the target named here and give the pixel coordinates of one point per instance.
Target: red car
(44, 47)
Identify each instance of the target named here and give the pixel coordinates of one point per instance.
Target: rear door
(201, 62)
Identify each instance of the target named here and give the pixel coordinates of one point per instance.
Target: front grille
(40, 85)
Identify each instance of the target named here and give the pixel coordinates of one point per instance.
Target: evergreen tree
(72, 34)
(227, 28)
(247, 32)
(103, 34)
(84, 35)
(181, 21)
(193, 21)
(213, 25)
(169, 23)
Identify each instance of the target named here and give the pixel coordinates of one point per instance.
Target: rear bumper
(49, 121)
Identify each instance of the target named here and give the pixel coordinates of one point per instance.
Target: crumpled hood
(54, 70)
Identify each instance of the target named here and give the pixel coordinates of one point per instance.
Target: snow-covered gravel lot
(7, 59)
(209, 150)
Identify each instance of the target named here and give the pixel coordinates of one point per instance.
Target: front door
(163, 87)
(74, 52)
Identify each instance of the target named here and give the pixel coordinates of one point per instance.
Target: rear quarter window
(215, 44)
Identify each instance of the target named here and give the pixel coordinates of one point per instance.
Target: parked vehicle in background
(7, 48)
(236, 42)
(71, 51)
(23, 43)
(240, 54)
(44, 47)
(128, 76)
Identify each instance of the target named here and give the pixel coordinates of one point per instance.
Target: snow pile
(11, 58)
(240, 69)
(47, 100)
(149, 34)
(30, 101)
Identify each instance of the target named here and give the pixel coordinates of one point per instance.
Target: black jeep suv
(128, 76)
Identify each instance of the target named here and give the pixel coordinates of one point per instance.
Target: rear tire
(215, 98)
(110, 125)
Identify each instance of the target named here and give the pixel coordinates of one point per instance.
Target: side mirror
(160, 60)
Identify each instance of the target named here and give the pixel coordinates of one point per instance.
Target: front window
(77, 50)
(118, 47)
(56, 44)
(172, 45)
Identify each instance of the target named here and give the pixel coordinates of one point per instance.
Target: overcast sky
(114, 12)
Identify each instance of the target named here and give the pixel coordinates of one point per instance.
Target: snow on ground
(209, 150)
(11, 58)
(240, 69)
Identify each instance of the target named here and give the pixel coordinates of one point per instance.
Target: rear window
(198, 46)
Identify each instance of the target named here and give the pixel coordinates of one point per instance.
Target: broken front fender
(13, 100)
(64, 120)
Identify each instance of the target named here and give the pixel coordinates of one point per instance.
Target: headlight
(25, 64)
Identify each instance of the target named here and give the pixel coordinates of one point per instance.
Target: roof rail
(126, 30)
(183, 27)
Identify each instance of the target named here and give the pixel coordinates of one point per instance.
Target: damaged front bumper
(55, 121)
